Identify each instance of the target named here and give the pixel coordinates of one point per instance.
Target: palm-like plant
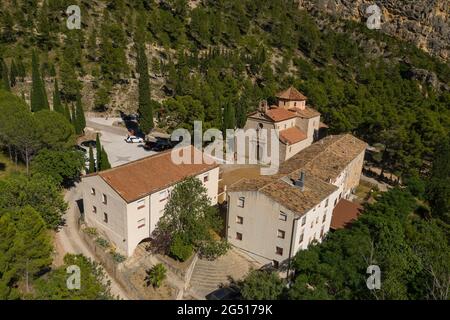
(156, 275)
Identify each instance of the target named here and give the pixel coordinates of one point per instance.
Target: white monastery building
(126, 202)
(271, 218)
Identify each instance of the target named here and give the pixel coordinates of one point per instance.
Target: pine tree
(80, 120)
(91, 160)
(38, 95)
(145, 107)
(104, 165)
(57, 105)
(98, 146)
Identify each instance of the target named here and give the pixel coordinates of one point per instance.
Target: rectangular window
(104, 199)
(321, 232)
(312, 224)
(141, 204)
(93, 191)
(241, 202)
(281, 234)
(324, 218)
(301, 237)
(141, 223)
(282, 216)
(239, 220)
(335, 202)
(326, 203)
(317, 220)
(163, 195)
(276, 264)
(239, 236)
(206, 178)
(105, 217)
(304, 221)
(94, 209)
(279, 251)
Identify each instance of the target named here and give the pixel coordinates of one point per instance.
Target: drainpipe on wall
(290, 247)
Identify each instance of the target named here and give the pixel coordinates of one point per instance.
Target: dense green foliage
(64, 166)
(262, 285)
(188, 220)
(25, 250)
(438, 188)
(413, 255)
(26, 133)
(94, 286)
(38, 191)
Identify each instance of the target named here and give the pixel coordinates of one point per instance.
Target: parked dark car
(89, 143)
(149, 145)
(225, 293)
(162, 144)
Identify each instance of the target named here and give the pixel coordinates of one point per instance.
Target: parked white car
(134, 139)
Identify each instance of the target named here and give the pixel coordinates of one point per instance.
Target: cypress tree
(4, 76)
(57, 105)
(80, 121)
(98, 146)
(21, 69)
(229, 118)
(66, 111)
(73, 117)
(104, 165)
(13, 74)
(39, 99)
(91, 160)
(145, 107)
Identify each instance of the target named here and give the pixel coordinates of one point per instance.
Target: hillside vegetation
(215, 60)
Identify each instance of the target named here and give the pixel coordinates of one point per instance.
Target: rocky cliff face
(425, 23)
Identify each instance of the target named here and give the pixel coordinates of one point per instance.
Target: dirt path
(67, 239)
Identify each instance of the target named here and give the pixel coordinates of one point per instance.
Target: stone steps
(209, 275)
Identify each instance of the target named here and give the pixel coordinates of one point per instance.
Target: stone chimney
(300, 182)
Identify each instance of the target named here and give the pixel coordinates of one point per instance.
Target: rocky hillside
(422, 22)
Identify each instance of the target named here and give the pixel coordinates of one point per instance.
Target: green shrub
(211, 250)
(179, 250)
(91, 232)
(117, 257)
(102, 242)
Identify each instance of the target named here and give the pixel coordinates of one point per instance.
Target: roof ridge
(156, 155)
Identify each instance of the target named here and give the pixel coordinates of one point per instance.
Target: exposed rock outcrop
(424, 23)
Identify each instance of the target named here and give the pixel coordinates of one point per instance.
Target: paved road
(69, 241)
(112, 139)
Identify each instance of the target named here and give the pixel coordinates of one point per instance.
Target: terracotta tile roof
(137, 179)
(280, 114)
(306, 113)
(326, 158)
(344, 214)
(321, 161)
(281, 189)
(291, 94)
(292, 135)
